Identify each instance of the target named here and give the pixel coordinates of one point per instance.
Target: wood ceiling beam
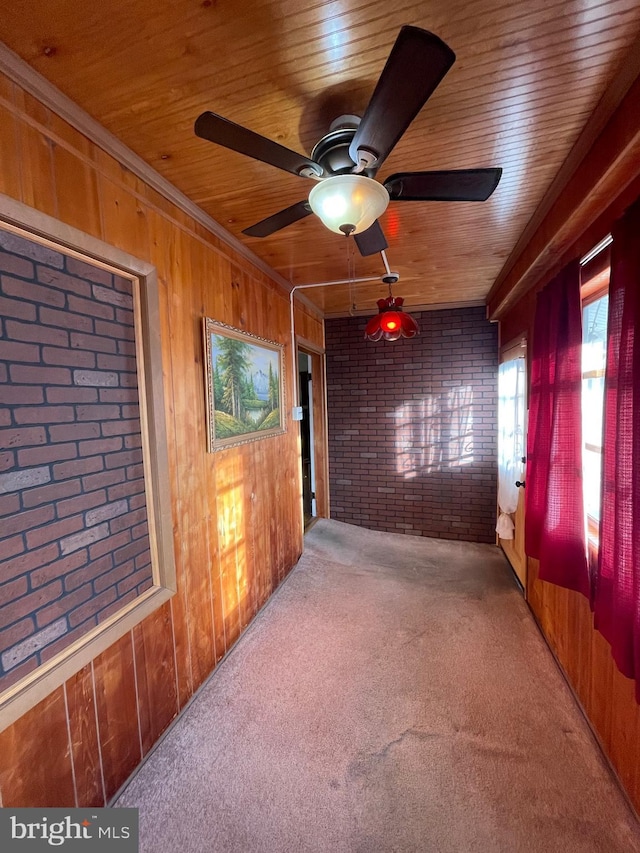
(583, 190)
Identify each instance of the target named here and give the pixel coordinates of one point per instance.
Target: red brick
(114, 576)
(9, 504)
(122, 284)
(16, 265)
(82, 269)
(74, 432)
(22, 437)
(13, 590)
(5, 417)
(121, 427)
(52, 492)
(29, 603)
(94, 309)
(59, 568)
(40, 375)
(102, 480)
(17, 308)
(94, 343)
(54, 532)
(30, 292)
(36, 333)
(118, 395)
(25, 520)
(20, 394)
(116, 362)
(129, 551)
(15, 633)
(58, 279)
(71, 395)
(91, 607)
(23, 563)
(129, 520)
(81, 503)
(77, 467)
(120, 460)
(125, 317)
(123, 490)
(97, 413)
(113, 297)
(70, 357)
(117, 605)
(7, 460)
(133, 580)
(88, 573)
(109, 545)
(16, 351)
(44, 414)
(65, 320)
(100, 445)
(63, 605)
(114, 330)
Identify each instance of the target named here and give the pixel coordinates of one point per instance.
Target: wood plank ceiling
(528, 75)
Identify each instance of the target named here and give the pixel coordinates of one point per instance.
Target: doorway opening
(306, 391)
(512, 413)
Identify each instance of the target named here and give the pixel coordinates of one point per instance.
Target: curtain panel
(555, 532)
(616, 591)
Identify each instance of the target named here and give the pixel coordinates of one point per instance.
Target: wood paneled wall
(564, 616)
(236, 514)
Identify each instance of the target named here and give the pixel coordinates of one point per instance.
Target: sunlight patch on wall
(435, 432)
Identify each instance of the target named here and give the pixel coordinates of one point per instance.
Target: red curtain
(554, 532)
(616, 597)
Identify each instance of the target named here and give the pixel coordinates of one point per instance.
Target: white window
(595, 306)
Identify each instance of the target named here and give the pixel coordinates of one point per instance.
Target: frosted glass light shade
(348, 204)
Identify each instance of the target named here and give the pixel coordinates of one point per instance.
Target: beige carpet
(395, 695)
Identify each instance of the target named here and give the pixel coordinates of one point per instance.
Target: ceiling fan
(345, 161)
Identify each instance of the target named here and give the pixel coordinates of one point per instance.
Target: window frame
(41, 228)
(594, 285)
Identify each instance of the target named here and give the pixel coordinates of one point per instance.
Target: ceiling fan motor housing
(332, 151)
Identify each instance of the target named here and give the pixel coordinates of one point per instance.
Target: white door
(512, 394)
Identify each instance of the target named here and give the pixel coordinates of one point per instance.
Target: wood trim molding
(35, 225)
(602, 163)
(412, 309)
(35, 84)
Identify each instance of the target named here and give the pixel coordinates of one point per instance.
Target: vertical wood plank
(35, 769)
(156, 675)
(36, 170)
(77, 192)
(119, 734)
(235, 523)
(84, 738)
(9, 178)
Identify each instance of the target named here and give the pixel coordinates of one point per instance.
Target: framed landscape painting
(245, 386)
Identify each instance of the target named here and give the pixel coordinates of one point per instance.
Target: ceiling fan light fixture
(348, 204)
(391, 322)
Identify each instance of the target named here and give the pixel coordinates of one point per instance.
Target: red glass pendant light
(390, 323)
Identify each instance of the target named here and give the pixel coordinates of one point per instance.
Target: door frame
(513, 549)
(320, 429)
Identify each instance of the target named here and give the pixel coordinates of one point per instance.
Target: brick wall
(74, 543)
(412, 426)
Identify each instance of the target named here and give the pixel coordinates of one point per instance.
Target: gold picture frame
(244, 376)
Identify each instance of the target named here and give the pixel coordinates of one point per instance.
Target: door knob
(520, 483)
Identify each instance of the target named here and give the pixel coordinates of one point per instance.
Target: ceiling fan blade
(417, 63)
(279, 220)
(371, 241)
(217, 129)
(454, 185)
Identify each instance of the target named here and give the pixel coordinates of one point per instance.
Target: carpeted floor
(395, 695)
